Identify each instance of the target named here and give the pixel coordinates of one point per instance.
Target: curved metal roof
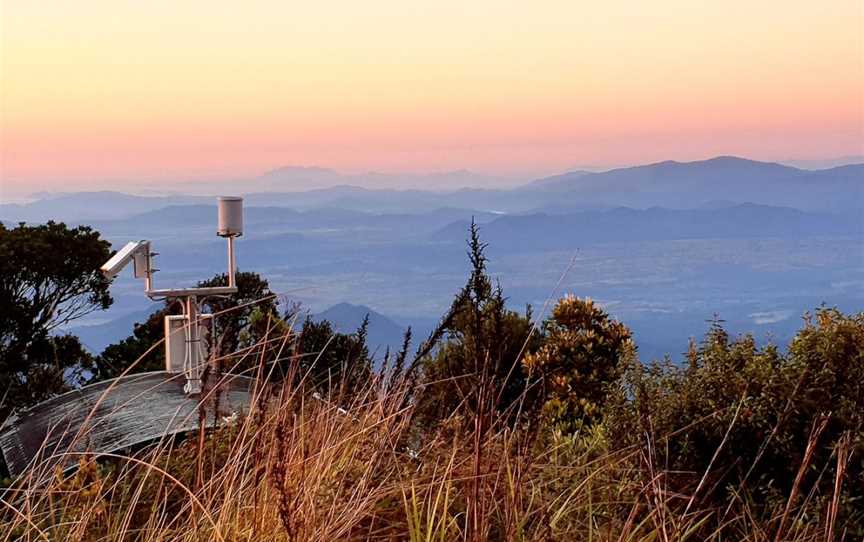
(113, 415)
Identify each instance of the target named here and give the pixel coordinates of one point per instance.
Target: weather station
(138, 408)
(186, 335)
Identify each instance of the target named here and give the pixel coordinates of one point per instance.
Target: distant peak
(728, 158)
(299, 170)
(345, 305)
(351, 315)
(345, 308)
(716, 160)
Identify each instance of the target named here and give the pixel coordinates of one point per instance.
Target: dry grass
(298, 466)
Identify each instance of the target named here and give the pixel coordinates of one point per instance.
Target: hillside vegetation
(501, 425)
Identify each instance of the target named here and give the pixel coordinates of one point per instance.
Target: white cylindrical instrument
(230, 216)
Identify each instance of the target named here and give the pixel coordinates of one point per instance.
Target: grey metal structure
(139, 408)
(192, 353)
(113, 415)
(230, 226)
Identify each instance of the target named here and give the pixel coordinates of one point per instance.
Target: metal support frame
(195, 356)
(186, 292)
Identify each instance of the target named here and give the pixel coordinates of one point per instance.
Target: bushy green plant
(332, 362)
(740, 418)
(583, 352)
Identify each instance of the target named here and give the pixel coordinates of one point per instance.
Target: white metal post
(193, 348)
(232, 264)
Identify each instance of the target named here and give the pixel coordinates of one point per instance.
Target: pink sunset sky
(165, 91)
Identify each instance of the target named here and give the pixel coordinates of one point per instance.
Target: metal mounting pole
(232, 263)
(193, 348)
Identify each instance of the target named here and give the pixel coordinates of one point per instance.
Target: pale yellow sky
(186, 89)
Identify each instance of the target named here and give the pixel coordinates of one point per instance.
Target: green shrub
(583, 352)
(739, 418)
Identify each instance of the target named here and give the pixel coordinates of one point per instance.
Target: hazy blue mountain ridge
(679, 185)
(690, 184)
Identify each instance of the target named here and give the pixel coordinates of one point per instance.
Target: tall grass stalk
(299, 465)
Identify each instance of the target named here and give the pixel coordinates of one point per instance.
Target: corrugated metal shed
(112, 415)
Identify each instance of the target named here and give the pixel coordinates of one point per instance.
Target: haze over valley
(663, 247)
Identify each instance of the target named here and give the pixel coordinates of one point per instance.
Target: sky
(164, 91)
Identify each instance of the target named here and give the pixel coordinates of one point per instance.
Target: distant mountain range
(560, 231)
(826, 163)
(305, 179)
(262, 220)
(677, 185)
(671, 175)
(381, 334)
(690, 184)
(89, 206)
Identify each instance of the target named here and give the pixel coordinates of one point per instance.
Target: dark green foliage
(703, 396)
(330, 360)
(749, 414)
(477, 365)
(117, 357)
(234, 312)
(49, 276)
(825, 374)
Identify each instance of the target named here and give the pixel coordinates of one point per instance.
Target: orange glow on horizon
(99, 89)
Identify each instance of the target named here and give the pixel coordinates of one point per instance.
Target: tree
(49, 277)
(117, 357)
(583, 353)
(335, 363)
(477, 365)
(236, 328)
(234, 312)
